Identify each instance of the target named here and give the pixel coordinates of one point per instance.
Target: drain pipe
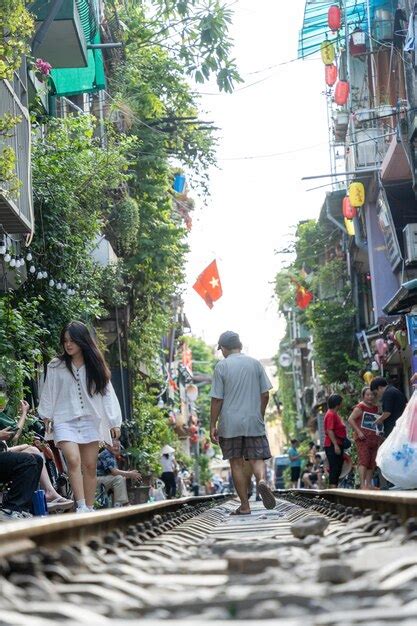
(361, 243)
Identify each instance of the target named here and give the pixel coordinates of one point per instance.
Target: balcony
(369, 136)
(16, 210)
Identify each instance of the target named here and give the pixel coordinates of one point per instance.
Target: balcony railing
(368, 139)
(16, 210)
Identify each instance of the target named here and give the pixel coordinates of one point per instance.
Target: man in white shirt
(239, 397)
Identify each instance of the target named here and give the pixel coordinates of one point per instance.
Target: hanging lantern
(327, 52)
(341, 92)
(380, 346)
(401, 339)
(368, 377)
(356, 194)
(357, 42)
(330, 74)
(349, 211)
(350, 227)
(334, 18)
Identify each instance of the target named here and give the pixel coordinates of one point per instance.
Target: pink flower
(43, 67)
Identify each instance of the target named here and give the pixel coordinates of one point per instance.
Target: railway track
(189, 560)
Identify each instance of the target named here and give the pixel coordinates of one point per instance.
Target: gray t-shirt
(239, 380)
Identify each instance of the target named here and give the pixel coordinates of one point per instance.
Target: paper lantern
(356, 194)
(401, 339)
(327, 52)
(350, 227)
(368, 377)
(341, 92)
(334, 18)
(349, 211)
(330, 74)
(357, 42)
(380, 346)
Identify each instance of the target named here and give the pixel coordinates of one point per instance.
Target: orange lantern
(357, 194)
(334, 17)
(349, 211)
(330, 74)
(327, 52)
(341, 92)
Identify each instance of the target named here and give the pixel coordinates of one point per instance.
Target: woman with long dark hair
(80, 408)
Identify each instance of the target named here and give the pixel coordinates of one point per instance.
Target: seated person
(22, 472)
(309, 478)
(318, 468)
(111, 477)
(15, 426)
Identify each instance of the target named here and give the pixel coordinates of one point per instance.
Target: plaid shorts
(245, 447)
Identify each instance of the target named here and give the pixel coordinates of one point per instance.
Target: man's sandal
(266, 494)
(239, 512)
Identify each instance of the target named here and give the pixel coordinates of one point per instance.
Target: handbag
(346, 443)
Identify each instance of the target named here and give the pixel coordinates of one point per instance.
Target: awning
(315, 27)
(404, 299)
(71, 81)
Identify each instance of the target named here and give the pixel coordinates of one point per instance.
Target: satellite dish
(285, 359)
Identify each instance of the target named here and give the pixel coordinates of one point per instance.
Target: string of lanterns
(15, 259)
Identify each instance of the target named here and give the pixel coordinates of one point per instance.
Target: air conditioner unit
(410, 244)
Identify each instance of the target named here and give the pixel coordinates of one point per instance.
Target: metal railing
(16, 208)
(368, 140)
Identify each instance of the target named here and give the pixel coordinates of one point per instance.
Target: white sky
(255, 204)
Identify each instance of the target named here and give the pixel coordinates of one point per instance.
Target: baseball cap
(229, 340)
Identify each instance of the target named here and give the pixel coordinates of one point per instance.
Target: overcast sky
(255, 203)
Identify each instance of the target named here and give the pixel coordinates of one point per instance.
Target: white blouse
(65, 397)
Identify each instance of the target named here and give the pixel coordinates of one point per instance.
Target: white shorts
(83, 429)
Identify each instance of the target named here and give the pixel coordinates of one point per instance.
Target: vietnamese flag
(303, 297)
(208, 284)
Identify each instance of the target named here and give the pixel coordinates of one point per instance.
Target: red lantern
(334, 17)
(330, 73)
(341, 92)
(349, 211)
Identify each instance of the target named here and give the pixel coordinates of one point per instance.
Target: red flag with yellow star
(208, 284)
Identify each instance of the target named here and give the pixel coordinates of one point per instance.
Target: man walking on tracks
(239, 397)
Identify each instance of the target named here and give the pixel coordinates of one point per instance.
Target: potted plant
(138, 459)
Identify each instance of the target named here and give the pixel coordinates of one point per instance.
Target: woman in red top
(335, 431)
(367, 440)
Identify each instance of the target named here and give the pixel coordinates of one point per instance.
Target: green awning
(72, 81)
(315, 28)
(403, 300)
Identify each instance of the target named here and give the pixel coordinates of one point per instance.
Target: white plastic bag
(397, 456)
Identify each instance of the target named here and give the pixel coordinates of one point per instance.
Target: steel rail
(401, 503)
(52, 531)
